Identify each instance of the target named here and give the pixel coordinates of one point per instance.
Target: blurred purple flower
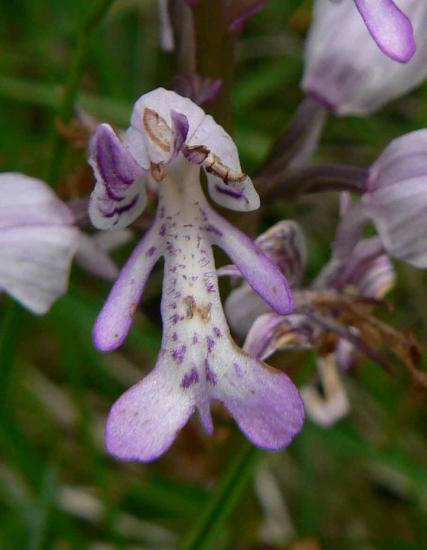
(345, 71)
(38, 240)
(395, 200)
(168, 141)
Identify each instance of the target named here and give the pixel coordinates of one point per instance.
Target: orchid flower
(346, 72)
(38, 240)
(368, 271)
(169, 140)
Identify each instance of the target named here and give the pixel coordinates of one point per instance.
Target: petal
(262, 275)
(119, 196)
(264, 402)
(272, 332)
(399, 213)
(152, 121)
(35, 263)
(144, 421)
(29, 201)
(284, 244)
(389, 27)
(403, 159)
(115, 319)
(228, 185)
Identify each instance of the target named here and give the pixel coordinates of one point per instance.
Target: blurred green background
(361, 484)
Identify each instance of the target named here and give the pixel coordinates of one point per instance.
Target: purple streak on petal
(262, 275)
(115, 319)
(180, 128)
(116, 166)
(240, 11)
(233, 193)
(389, 27)
(119, 195)
(144, 421)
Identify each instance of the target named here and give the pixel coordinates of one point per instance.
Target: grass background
(361, 484)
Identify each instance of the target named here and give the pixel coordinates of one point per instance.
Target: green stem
(66, 107)
(223, 500)
(9, 336)
(215, 55)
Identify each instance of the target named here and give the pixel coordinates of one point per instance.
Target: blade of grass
(223, 500)
(9, 336)
(65, 111)
(48, 96)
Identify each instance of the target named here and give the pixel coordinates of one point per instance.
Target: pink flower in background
(169, 140)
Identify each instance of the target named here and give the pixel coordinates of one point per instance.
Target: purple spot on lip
(179, 354)
(174, 336)
(195, 338)
(162, 231)
(210, 343)
(238, 369)
(217, 332)
(190, 378)
(150, 251)
(210, 375)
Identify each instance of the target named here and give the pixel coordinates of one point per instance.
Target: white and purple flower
(169, 140)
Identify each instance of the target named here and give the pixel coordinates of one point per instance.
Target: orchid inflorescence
(165, 157)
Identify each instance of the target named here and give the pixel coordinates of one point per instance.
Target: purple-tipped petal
(144, 421)
(258, 270)
(389, 27)
(115, 319)
(264, 402)
(119, 196)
